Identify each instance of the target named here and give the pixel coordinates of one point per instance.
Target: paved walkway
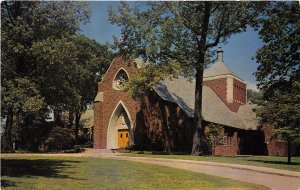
(273, 178)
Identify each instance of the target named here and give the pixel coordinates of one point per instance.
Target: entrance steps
(100, 152)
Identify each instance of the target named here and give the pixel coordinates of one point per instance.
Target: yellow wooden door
(123, 138)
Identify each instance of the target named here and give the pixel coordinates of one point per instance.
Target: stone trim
(229, 89)
(112, 141)
(114, 79)
(222, 76)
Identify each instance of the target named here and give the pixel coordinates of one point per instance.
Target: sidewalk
(109, 153)
(233, 166)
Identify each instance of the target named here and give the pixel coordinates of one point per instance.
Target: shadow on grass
(276, 162)
(7, 183)
(35, 168)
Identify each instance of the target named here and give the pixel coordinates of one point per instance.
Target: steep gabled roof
(218, 69)
(248, 116)
(181, 92)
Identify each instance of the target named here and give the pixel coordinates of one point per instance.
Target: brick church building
(162, 120)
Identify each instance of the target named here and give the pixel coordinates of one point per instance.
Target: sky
(238, 52)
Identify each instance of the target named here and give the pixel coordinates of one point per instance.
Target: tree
(23, 25)
(214, 135)
(93, 61)
(279, 58)
(71, 64)
(18, 96)
(282, 111)
(182, 33)
(254, 96)
(278, 72)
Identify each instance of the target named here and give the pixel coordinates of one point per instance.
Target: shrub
(79, 148)
(58, 139)
(70, 151)
(88, 144)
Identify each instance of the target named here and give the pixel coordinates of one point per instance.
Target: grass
(54, 172)
(265, 161)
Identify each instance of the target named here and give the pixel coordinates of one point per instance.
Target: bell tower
(225, 83)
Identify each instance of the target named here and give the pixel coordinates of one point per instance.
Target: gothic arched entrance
(119, 132)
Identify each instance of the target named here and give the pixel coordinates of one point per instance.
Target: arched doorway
(119, 132)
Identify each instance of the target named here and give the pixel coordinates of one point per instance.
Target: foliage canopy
(278, 72)
(46, 64)
(182, 33)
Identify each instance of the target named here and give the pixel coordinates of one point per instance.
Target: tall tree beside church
(278, 72)
(93, 61)
(18, 96)
(24, 24)
(181, 33)
(254, 96)
(76, 66)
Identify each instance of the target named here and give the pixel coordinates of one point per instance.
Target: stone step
(93, 150)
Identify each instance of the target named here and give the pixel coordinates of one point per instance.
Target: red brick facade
(219, 86)
(275, 146)
(111, 97)
(228, 145)
(157, 124)
(161, 125)
(239, 92)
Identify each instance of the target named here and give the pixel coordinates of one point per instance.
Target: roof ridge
(219, 68)
(180, 91)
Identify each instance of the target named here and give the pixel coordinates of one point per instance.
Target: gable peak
(219, 68)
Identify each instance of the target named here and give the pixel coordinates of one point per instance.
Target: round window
(120, 79)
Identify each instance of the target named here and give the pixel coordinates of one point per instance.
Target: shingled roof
(248, 116)
(181, 92)
(218, 69)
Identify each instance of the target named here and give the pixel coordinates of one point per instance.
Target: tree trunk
(200, 146)
(7, 134)
(289, 152)
(71, 119)
(77, 120)
(57, 118)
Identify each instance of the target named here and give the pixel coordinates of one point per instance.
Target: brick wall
(164, 126)
(229, 144)
(111, 97)
(239, 92)
(157, 124)
(239, 141)
(276, 146)
(219, 86)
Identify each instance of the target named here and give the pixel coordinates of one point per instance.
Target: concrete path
(273, 178)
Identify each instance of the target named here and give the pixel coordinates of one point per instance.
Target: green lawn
(265, 161)
(54, 172)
